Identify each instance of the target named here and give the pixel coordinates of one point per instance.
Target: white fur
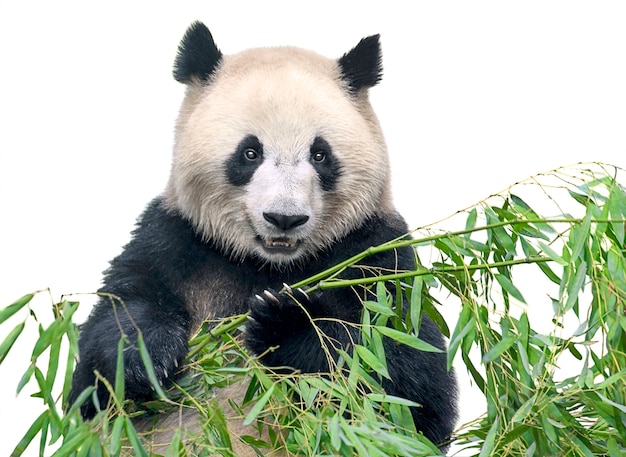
(286, 97)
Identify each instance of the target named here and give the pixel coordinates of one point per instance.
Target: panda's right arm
(138, 296)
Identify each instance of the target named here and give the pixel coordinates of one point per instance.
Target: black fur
(198, 57)
(166, 257)
(239, 167)
(329, 168)
(362, 66)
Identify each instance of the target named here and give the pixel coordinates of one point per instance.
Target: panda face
(275, 158)
(285, 189)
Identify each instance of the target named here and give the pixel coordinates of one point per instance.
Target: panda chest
(220, 289)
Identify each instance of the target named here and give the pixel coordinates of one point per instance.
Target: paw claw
(287, 288)
(271, 297)
(305, 294)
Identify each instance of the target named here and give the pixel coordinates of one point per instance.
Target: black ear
(362, 67)
(198, 57)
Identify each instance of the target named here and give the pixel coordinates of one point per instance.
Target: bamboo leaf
(26, 377)
(524, 410)
(30, 434)
(258, 406)
(73, 442)
(470, 222)
(15, 307)
(379, 366)
(547, 250)
(489, 444)
(415, 305)
(408, 340)
(115, 443)
(378, 308)
(509, 287)
(574, 287)
(119, 370)
(147, 361)
(138, 448)
(614, 448)
(9, 341)
(465, 323)
(496, 351)
(384, 398)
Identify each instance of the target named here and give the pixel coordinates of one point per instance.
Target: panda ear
(362, 67)
(198, 57)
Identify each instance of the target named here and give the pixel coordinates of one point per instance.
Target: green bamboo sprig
(224, 327)
(401, 243)
(422, 271)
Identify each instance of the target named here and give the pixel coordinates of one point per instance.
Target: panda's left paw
(275, 317)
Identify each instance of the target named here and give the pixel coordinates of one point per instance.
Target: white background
(475, 96)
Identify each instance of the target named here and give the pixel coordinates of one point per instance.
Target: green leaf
(33, 430)
(258, 406)
(381, 292)
(408, 340)
(488, 446)
(574, 287)
(119, 370)
(523, 207)
(614, 448)
(15, 307)
(580, 235)
(379, 366)
(497, 350)
(379, 308)
(131, 433)
(551, 275)
(464, 325)
(432, 312)
(46, 338)
(384, 398)
(605, 399)
(524, 410)
(72, 443)
(28, 374)
(547, 250)
(415, 305)
(8, 342)
(509, 287)
(147, 361)
(470, 223)
(53, 365)
(115, 443)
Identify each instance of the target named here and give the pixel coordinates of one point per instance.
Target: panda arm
(139, 296)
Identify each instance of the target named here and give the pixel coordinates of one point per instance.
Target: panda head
(278, 153)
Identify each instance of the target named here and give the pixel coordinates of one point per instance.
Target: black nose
(285, 222)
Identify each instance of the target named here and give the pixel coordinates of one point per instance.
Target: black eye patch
(242, 163)
(325, 163)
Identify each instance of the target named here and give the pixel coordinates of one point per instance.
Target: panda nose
(285, 222)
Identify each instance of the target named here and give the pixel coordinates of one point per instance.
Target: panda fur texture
(280, 170)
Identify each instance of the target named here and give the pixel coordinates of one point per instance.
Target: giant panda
(280, 170)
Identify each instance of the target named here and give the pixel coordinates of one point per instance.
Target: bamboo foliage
(561, 233)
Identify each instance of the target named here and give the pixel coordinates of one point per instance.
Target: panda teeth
(280, 242)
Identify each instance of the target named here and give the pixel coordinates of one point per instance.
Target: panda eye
(250, 154)
(318, 156)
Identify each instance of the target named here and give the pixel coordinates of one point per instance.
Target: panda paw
(276, 317)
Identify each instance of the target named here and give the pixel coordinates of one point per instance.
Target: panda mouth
(282, 243)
